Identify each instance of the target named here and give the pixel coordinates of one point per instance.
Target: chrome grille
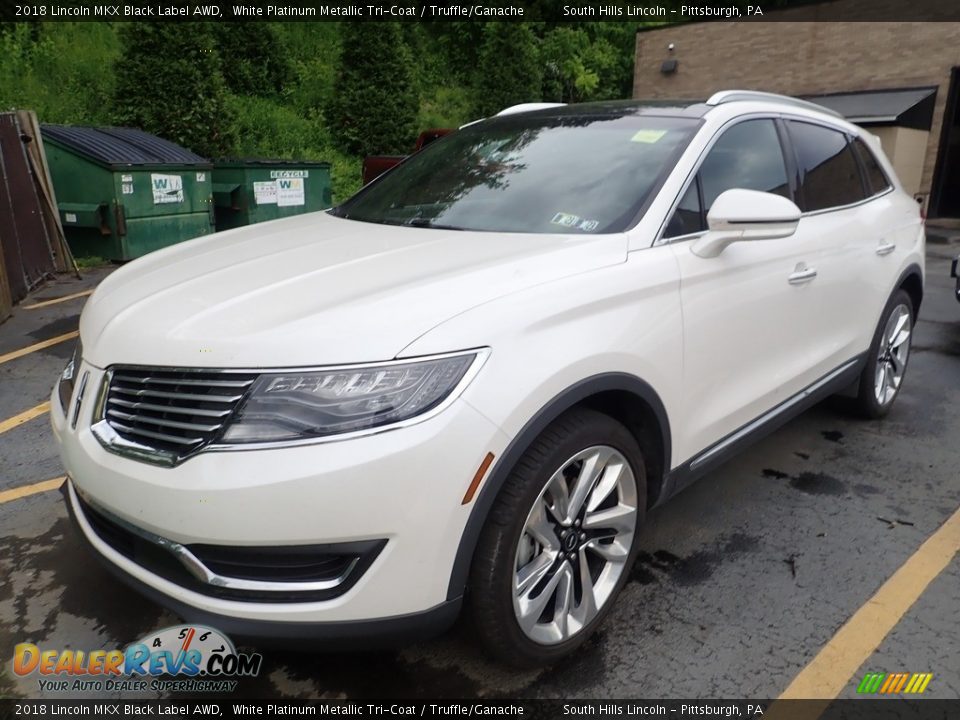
(175, 412)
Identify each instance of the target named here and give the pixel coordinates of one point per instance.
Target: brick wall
(803, 58)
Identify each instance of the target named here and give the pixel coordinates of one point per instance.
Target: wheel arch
(624, 397)
(911, 281)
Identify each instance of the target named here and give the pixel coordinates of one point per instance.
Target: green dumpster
(123, 193)
(248, 191)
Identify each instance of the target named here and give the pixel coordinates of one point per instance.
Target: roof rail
(528, 107)
(726, 96)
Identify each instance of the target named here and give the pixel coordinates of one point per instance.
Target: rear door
(896, 232)
(845, 230)
(749, 327)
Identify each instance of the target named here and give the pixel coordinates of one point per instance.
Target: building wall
(803, 58)
(906, 149)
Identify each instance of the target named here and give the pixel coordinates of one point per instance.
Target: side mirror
(738, 215)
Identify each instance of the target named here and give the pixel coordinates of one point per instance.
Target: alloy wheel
(575, 544)
(892, 355)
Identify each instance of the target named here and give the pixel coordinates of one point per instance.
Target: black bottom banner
(858, 709)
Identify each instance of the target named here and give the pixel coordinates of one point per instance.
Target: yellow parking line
(37, 346)
(54, 301)
(25, 416)
(28, 490)
(833, 667)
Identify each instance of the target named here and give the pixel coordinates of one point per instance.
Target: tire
(874, 401)
(515, 545)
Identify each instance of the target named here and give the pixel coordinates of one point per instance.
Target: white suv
(472, 379)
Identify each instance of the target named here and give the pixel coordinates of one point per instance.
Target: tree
(508, 69)
(374, 105)
(256, 62)
(169, 82)
(578, 67)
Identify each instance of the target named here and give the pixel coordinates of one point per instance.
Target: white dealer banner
(166, 188)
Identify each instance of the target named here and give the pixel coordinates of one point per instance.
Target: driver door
(751, 313)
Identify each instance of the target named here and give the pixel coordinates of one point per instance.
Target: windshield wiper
(427, 223)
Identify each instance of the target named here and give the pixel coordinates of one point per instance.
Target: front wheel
(559, 541)
(886, 367)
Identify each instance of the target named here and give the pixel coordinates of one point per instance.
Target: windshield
(530, 175)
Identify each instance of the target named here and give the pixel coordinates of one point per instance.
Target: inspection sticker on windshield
(565, 220)
(647, 136)
(575, 221)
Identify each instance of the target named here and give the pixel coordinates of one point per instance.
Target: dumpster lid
(235, 162)
(121, 147)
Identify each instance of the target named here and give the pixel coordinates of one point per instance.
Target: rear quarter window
(876, 178)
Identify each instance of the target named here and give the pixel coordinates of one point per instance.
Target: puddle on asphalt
(818, 484)
(52, 329)
(813, 483)
(693, 569)
(52, 574)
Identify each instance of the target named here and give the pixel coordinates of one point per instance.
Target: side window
(876, 177)
(687, 218)
(829, 175)
(747, 156)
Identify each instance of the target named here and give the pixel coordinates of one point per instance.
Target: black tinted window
(687, 218)
(829, 176)
(531, 174)
(746, 156)
(876, 177)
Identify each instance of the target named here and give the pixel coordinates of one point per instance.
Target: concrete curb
(942, 236)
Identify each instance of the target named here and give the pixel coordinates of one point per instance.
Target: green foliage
(169, 81)
(616, 80)
(576, 64)
(90, 261)
(61, 71)
(508, 70)
(374, 105)
(313, 91)
(445, 107)
(455, 46)
(268, 129)
(314, 51)
(253, 61)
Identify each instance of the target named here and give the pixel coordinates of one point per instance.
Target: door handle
(885, 248)
(801, 276)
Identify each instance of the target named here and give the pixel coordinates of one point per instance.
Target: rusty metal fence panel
(31, 239)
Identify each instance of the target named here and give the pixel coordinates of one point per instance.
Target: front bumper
(354, 635)
(402, 488)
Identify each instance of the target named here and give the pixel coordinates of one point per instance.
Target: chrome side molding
(783, 407)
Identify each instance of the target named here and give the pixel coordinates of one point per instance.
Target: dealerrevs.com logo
(186, 658)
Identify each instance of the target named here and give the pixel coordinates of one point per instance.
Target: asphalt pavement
(744, 585)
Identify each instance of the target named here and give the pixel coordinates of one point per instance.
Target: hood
(315, 290)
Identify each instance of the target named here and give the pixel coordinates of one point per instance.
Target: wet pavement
(740, 581)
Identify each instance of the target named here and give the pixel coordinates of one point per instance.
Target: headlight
(68, 377)
(301, 405)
